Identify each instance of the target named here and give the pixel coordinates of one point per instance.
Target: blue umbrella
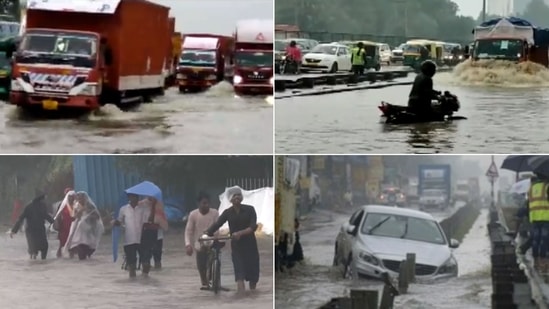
(540, 165)
(146, 188)
(517, 163)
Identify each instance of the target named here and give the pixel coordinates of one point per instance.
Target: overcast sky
(469, 7)
(216, 16)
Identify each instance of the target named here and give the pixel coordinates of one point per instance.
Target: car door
(345, 247)
(343, 59)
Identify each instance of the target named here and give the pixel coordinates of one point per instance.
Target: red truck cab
(253, 57)
(204, 60)
(81, 55)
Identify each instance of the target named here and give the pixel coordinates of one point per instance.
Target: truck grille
(421, 269)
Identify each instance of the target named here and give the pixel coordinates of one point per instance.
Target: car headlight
(271, 80)
(283, 58)
(449, 267)
(180, 76)
(368, 258)
(460, 57)
(237, 79)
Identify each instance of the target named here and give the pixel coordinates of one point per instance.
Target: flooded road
(316, 282)
(100, 283)
(213, 122)
(500, 120)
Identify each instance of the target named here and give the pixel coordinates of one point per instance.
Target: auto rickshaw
(412, 52)
(373, 60)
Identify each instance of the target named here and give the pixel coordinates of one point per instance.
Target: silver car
(377, 238)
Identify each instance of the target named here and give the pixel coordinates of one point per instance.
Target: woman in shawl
(87, 227)
(63, 219)
(242, 225)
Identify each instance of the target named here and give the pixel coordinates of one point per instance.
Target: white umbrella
(521, 187)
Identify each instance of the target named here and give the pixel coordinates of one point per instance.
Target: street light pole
(483, 10)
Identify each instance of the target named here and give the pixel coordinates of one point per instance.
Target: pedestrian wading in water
(86, 228)
(63, 220)
(242, 221)
(199, 220)
(35, 214)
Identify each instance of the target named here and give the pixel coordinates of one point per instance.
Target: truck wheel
(182, 89)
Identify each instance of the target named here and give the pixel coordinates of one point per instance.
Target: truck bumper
(187, 84)
(53, 102)
(262, 89)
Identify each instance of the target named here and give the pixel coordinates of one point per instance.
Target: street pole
(493, 204)
(483, 10)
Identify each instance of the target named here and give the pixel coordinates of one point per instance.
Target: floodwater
(215, 122)
(315, 282)
(504, 105)
(101, 284)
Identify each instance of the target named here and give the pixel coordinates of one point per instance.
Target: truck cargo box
(133, 29)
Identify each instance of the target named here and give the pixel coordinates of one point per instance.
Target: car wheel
(334, 68)
(347, 270)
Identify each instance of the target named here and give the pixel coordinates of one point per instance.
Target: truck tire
(182, 89)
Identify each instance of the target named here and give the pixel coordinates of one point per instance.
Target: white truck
(462, 192)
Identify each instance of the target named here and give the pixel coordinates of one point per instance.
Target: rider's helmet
(293, 43)
(428, 68)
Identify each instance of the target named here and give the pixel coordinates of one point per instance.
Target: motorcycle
(288, 66)
(444, 108)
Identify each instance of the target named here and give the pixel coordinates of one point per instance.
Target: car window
(403, 227)
(324, 49)
(355, 216)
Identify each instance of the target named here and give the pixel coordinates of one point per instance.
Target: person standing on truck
(538, 211)
(358, 59)
(242, 225)
(200, 220)
(293, 54)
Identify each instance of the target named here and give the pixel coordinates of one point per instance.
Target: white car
(331, 58)
(377, 238)
(397, 54)
(385, 53)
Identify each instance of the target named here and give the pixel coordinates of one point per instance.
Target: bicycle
(214, 273)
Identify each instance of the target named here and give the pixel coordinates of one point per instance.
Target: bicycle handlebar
(214, 238)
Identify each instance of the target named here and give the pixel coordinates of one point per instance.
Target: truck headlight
(237, 79)
(90, 90)
(368, 258)
(449, 267)
(271, 80)
(16, 85)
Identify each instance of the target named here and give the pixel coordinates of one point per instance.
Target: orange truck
(174, 52)
(87, 53)
(204, 60)
(253, 71)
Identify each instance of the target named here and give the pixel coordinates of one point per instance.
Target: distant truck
(434, 187)
(204, 60)
(474, 189)
(511, 39)
(462, 191)
(86, 54)
(411, 191)
(254, 44)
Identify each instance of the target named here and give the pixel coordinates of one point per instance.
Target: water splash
(497, 73)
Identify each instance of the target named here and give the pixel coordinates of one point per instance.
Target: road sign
(492, 171)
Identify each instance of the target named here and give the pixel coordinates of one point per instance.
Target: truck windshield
(498, 49)
(463, 187)
(259, 59)
(432, 193)
(58, 48)
(200, 58)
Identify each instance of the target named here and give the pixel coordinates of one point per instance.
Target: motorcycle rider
(293, 55)
(422, 93)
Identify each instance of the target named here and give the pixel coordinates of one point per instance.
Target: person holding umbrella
(242, 221)
(538, 211)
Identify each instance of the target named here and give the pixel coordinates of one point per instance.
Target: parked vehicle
(397, 54)
(332, 58)
(204, 60)
(433, 199)
(377, 238)
(253, 70)
(462, 191)
(91, 58)
(385, 53)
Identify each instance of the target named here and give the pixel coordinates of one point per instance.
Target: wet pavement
(213, 122)
(101, 284)
(500, 120)
(315, 282)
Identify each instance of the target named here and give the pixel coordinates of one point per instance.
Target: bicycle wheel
(216, 276)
